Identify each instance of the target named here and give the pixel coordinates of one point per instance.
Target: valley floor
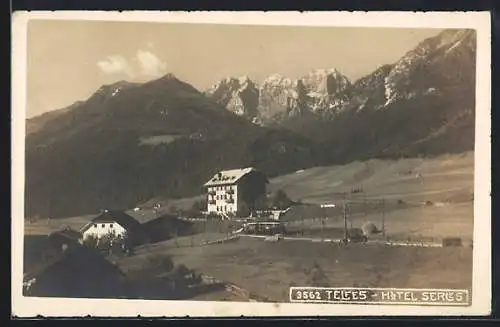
(438, 198)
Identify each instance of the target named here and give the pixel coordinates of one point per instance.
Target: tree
(243, 210)
(280, 200)
(197, 207)
(105, 242)
(261, 203)
(90, 242)
(173, 209)
(174, 234)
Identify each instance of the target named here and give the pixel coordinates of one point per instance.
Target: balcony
(230, 200)
(211, 202)
(230, 191)
(212, 193)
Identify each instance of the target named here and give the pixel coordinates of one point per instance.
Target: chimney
(219, 176)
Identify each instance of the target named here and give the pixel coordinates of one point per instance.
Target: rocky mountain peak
(326, 81)
(279, 97)
(238, 95)
(436, 64)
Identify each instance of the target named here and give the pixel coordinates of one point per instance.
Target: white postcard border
(481, 294)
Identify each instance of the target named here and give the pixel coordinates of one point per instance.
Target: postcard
(222, 164)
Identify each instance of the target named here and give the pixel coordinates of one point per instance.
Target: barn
(167, 226)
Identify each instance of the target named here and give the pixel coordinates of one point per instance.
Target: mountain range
(130, 142)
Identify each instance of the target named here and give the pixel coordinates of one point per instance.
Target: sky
(69, 60)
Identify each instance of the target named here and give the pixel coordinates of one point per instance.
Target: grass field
(425, 222)
(447, 178)
(269, 269)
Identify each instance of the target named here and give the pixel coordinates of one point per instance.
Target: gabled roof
(229, 176)
(109, 216)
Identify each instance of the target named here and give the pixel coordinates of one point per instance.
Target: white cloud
(149, 64)
(145, 63)
(115, 64)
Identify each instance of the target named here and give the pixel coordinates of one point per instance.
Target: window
(111, 225)
(103, 225)
(95, 225)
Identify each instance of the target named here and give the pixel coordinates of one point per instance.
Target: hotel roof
(228, 176)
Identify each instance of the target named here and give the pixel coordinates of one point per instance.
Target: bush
(181, 271)
(108, 242)
(369, 228)
(160, 263)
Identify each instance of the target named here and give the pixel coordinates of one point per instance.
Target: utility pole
(350, 216)
(364, 203)
(322, 224)
(383, 218)
(302, 223)
(205, 228)
(345, 219)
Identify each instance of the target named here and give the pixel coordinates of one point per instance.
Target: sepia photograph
(218, 163)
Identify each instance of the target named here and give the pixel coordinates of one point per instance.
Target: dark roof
(167, 226)
(126, 221)
(77, 270)
(69, 254)
(67, 233)
(233, 176)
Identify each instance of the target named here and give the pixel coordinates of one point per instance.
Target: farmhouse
(229, 191)
(113, 222)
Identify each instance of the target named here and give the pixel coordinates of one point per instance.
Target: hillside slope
(447, 178)
(130, 142)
